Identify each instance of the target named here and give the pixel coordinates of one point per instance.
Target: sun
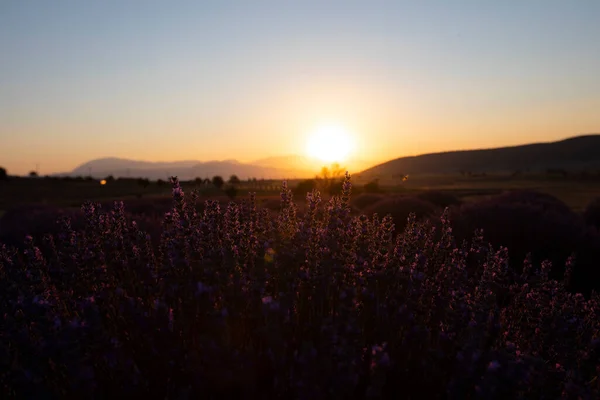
(330, 143)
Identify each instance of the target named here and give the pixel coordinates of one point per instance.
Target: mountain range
(292, 166)
(576, 153)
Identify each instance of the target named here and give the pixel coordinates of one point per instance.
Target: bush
(540, 200)
(304, 187)
(231, 192)
(591, 214)
(335, 187)
(365, 200)
(439, 199)
(372, 187)
(538, 225)
(143, 182)
(400, 208)
(35, 221)
(234, 303)
(3, 174)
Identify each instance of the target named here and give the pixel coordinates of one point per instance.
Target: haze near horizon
(373, 81)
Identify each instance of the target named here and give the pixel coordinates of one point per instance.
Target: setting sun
(331, 143)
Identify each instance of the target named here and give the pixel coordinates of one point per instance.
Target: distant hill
(573, 154)
(300, 166)
(188, 170)
(289, 162)
(114, 165)
(283, 167)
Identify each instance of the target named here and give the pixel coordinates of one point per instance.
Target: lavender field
(178, 220)
(238, 302)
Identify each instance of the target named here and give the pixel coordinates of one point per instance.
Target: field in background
(576, 192)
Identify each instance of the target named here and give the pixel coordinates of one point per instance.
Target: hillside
(573, 154)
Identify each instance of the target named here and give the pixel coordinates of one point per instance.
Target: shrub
(36, 221)
(439, 199)
(400, 208)
(231, 192)
(538, 225)
(3, 174)
(305, 187)
(591, 214)
(335, 187)
(372, 187)
(366, 199)
(143, 182)
(234, 303)
(540, 200)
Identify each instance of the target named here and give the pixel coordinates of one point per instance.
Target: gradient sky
(167, 80)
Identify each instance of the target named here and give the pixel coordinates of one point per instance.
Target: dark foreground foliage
(238, 304)
(399, 208)
(365, 200)
(592, 213)
(539, 225)
(439, 198)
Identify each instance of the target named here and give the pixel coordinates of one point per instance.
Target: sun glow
(330, 143)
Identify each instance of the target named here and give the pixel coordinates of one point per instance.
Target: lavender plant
(235, 303)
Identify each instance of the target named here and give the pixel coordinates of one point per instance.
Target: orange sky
(82, 81)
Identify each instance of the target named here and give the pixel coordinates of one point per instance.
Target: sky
(208, 80)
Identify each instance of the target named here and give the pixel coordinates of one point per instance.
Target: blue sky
(250, 79)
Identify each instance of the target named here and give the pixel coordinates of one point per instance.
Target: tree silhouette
(218, 181)
(3, 174)
(234, 180)
(33, 174)
(329, 176)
